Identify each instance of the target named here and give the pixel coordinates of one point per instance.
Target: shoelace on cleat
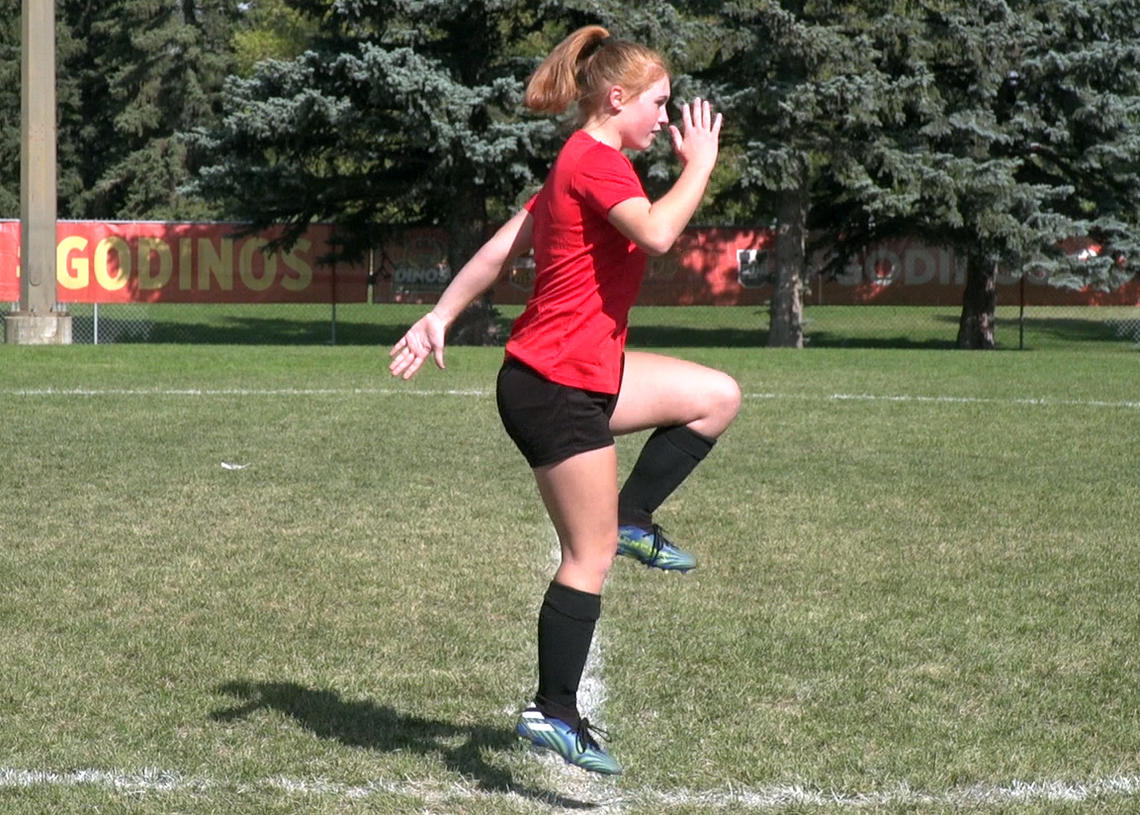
(658, 543)
(585, 739)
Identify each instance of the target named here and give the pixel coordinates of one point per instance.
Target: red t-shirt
(587, 274)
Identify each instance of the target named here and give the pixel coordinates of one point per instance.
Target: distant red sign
(150, 262)
(121, 262)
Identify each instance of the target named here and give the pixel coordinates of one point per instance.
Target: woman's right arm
(427, 335)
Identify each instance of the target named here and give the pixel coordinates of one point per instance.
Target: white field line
(481, 392)
(95, 392)
(611, 802)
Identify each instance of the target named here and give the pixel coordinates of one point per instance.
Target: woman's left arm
(427, 335)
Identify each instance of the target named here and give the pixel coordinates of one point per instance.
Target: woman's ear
(615, 98)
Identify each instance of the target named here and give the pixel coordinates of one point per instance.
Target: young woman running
(567, 385)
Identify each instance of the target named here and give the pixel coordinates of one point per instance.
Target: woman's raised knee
(722, 399)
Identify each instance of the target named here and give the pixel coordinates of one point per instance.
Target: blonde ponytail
(584, 66)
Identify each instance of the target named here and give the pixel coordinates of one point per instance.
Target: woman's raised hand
(699, 141)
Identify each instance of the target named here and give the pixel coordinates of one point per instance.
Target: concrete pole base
(26, 328)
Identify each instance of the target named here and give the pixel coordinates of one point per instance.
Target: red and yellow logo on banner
(148, 262)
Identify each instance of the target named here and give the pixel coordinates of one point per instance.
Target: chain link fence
(223, 324)
(1018, 326)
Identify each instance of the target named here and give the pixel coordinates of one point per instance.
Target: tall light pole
(37, 322)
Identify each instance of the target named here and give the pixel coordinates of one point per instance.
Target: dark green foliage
(147, 70)
(272, 29)
(386, 122)
(1001, 129)
(1022, 135)
(9, 108)
(130, 75)
(1074, 115)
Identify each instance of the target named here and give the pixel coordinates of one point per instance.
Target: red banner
(154, 262)
(9, 261)
(735, 266)
(121, 262)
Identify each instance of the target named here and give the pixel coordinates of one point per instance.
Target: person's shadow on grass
(379, 727)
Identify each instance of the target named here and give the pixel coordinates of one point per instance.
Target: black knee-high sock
(565, 629)
(667, 458)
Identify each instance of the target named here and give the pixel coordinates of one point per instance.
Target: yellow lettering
(72, 272)
(149, 249)
(185, 263)
(304, 272)
(249, 277)
(103, 274)
(216, 262)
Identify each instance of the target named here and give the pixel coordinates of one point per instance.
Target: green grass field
(917, 590)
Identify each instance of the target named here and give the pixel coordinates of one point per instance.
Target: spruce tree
(804, 95)
(1016, 135)
(941, 168)
(1075, 122)
(400, 114)
(1000, 129)
(144, 71)
(9, 109)
(408, 113)
(271, 29)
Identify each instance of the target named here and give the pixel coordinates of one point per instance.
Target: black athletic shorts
(549, 422)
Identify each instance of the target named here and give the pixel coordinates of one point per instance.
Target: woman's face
(643, 117)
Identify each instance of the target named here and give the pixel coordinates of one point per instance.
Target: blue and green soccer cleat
(652, 548)
(576, 745)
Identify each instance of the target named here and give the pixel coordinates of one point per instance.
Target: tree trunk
(787, 307)
(979, 303)
(467, 229)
